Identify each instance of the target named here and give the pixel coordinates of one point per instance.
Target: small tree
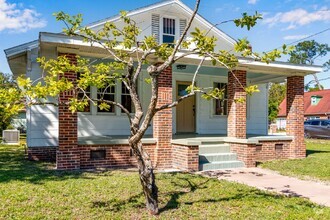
(307, 52)
(129, 56)
(9, 100)
(277, 93)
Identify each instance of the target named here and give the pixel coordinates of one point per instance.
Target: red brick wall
(116, 156)
(266, 150)
(295, 115)
(42, 153)
(68, 155)
(185, 157)
(236, 111)
(245, 153)
(162, 122)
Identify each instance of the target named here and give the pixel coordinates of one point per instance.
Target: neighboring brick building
(196, 135)
(317, 106)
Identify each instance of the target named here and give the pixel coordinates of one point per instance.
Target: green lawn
(30, 190)
(315, 166)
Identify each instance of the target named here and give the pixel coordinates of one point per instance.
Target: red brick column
(185, 157)
(295, 116)
(162, 122)
(68, 154)
(236, 124)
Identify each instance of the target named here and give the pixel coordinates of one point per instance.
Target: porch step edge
(221, 165)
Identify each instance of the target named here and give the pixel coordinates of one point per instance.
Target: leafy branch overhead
(126, 51)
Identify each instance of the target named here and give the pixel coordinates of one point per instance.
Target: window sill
(219, 116)
(106, 113)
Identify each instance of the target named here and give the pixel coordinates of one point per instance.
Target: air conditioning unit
(10, 136)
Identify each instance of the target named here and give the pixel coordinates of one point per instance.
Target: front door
(185, 110)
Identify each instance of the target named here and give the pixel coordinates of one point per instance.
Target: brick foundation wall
(245, 153)
(162, 122)
(68, 155)
(185, 157)
(42, 153)
(116, 156)
(295, 116)
(267, 150)
(236, 111)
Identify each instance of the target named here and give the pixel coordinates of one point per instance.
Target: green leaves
(204, 43)
(10, 100)
(247, 21)
(273, 55)
(215, 93)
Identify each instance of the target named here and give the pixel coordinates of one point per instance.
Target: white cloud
(298, 17)
(252, 2)
(15, 18)
(294, 37)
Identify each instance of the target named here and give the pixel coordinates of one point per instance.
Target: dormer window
(168, 30)
(315, 100)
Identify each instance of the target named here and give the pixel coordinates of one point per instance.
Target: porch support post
(236, 125)
(162, 122)
(295, 116)
(67, 155)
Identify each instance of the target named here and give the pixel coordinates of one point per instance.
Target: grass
(315, 166)
(31, 190)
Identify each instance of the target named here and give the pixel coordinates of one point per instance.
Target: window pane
(221, 106)
(168, 39)
(107, 94)
(169, 26)
(81, 95)
(126, 100)
(315, 123)
(325, 123)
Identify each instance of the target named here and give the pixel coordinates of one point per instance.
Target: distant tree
(307, 52)
(9, 100)
(277, 92)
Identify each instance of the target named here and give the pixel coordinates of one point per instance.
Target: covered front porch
(233, 147)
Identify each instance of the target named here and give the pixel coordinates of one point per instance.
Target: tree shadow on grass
(116, 205)
(14, 166)
(175, 200)
(310, 152)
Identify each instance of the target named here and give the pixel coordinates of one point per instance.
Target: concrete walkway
(269, 180)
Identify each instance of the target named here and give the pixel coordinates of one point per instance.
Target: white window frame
(176, 29)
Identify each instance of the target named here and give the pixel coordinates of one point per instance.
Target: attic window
(168, 30)
(315, 100)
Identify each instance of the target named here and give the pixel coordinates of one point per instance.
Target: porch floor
(182, 139)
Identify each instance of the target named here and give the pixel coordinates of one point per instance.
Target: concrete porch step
(221, 165)
(206, 158)
(214, 148)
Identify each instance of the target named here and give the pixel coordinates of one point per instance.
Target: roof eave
(20, 49)
(282, 68)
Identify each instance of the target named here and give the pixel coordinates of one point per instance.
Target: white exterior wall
(42, 121)
(257, 112)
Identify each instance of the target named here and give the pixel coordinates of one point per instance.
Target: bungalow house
(197, 135)
(317, 106)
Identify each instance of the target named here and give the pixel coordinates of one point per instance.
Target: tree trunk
(147, 177)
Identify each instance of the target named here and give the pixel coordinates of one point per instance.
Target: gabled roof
(163, 3)
(322, 108)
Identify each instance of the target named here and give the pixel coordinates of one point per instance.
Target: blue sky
(285, 21)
